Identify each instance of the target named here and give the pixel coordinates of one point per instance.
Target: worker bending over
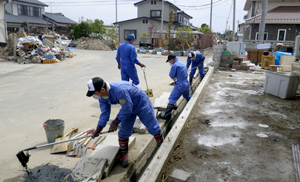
(197, 61)
(134, 102)
(181, 87)
(126, 58)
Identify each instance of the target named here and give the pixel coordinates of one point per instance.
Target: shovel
(77, 146)
(148, 91)
(71, 144)
(62, 147)
(83, 148)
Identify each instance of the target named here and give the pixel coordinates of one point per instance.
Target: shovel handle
(63, 141)
(72, 130)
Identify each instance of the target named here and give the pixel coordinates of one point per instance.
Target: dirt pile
(91, 44)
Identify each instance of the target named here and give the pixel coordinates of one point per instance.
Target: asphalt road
(30, 94)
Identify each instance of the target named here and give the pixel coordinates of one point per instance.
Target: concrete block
(109, 149)
(88, 169)
(162, 102)
(225, 65)
(236, 67)
(139, 127)
(180, 175)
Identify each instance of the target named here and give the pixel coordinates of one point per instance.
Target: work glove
(142, 65)
(119, 66)
(114, 125)
(97, 131)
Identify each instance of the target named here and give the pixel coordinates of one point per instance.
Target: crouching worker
(134, 102)
(197, 61)
(182, 86)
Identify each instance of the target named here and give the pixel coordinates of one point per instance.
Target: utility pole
(262, 21)
(116, 11)
(233, 29)
(162, 20)
(210, 24)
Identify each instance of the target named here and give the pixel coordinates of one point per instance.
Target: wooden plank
(153, 171)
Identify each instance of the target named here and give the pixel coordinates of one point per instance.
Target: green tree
(111, 34)
(184, 34)
(97, 29)
(168, 35)
(204, 28)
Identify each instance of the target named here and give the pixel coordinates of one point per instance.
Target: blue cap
(130, 37)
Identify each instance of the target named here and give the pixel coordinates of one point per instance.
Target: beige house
(282, 22)
(148, 20)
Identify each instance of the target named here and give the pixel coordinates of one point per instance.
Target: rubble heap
(91, 44)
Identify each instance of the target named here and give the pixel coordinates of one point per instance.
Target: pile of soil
(238, 133)
(91, 44)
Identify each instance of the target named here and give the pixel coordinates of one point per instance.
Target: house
(59, 22)
(3, 31)
(30, 16)
(148, 21)
(26, 15)
(282, 22)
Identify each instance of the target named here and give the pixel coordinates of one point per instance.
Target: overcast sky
(106, 10)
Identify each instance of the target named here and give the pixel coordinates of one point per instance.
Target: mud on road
(238, 133)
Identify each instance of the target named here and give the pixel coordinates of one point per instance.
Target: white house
(3, 31)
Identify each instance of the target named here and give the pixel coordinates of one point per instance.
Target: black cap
(95, 84)
(191, 54)
(171, 56)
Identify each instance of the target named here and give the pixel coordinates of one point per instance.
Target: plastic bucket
(54, 128)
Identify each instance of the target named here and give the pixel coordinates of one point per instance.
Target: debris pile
(38, 49)
(91, 44)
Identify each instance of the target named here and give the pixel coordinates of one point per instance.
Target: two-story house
(30, 16)
(282, 22)
(3, 33)
(26, 15)
(149, 14)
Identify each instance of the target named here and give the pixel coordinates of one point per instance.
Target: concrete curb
(153, 172)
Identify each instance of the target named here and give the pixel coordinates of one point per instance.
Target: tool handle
(145, 77)
(87, 141)
(63, 141)
(71, 131)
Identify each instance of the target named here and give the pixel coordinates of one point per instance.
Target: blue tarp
(278, 54)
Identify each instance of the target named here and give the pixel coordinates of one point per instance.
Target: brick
(236, 67)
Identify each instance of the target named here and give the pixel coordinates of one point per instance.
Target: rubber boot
(168, 111)
(123, 143)
(191, 80)
(201, 78)
(159, 139)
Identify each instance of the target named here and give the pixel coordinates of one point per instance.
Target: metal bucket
(54, 128)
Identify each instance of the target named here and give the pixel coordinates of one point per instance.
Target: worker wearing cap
(181, 87)
(126, 58)
(197, 61)
(134, 102)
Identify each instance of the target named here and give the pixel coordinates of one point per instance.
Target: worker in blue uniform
(134, 102)
(182, 86)
(126, 58)
(197, 61)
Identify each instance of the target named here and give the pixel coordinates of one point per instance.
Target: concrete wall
(218, 51)
(3, 32)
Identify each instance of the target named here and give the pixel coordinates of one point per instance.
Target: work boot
(159, 139)
(123, 143)
(201, 78)
(168, 111)
(191, 80)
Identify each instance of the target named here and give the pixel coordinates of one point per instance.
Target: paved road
(30, 94)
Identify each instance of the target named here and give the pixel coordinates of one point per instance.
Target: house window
(153, 2)
(155, 13)
(145, 21)
(281, 35)
(23, 10)
(265, 36)
(35, 11)
(126, 32)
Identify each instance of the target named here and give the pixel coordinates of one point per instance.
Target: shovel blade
(149, 92)
(61, 147)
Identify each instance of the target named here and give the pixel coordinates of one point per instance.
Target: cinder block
(236, 67)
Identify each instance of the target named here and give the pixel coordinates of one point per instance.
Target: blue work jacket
(179, 72)
(126, 55)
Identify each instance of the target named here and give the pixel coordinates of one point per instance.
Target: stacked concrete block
(218, 51)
